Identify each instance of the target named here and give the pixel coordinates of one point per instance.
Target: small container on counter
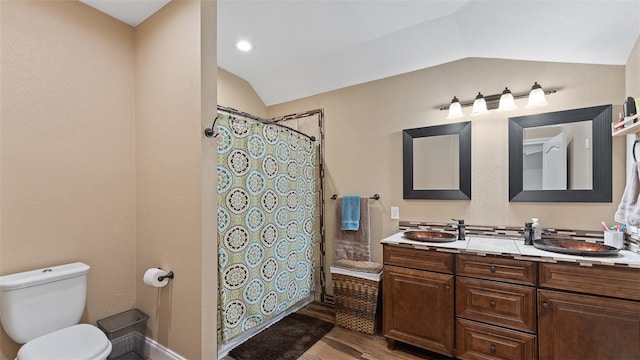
(614, 238)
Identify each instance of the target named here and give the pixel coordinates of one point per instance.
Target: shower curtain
(267, 216)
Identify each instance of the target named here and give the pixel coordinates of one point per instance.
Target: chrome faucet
(461, 230)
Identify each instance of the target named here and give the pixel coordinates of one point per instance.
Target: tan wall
(363, 137)
(68, 146)
(209, 197)
(237, 93)
(174, 99)
(97, 116)
(633, 72)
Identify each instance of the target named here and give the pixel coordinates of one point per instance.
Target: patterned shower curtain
(267, 221)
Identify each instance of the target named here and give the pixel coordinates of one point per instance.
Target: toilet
(41, 309)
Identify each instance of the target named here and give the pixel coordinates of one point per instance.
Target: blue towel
(351, 212)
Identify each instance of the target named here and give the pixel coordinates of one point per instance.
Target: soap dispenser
(537, 231)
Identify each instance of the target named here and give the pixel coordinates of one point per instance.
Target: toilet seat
(77, 342)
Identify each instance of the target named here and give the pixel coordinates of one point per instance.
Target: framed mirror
(436, 162)
(562, 156)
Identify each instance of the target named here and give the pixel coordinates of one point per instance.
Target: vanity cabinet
(588, 312)
(495, 308)
(418, 297)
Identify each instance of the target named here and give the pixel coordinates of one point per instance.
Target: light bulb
(243, 45)
(455, 109)
(536, 97)
(479, 106)
(506, 101)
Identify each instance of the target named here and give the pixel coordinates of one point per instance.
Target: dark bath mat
(287, 339)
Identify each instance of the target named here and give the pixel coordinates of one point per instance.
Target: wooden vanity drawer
(429, 260)
(497, 268)
(476, 341)
(619, 282)
(496, 303)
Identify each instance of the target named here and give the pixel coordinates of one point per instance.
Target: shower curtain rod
(209, 132)
(297, 115)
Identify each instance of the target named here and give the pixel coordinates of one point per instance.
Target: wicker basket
(356, 302)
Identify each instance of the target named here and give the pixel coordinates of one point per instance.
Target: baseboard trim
(157, 351)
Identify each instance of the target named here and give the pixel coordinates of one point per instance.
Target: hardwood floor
(344, 344)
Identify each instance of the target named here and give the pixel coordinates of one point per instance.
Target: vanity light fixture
(455, 109)
(479, 105)
(537, 97)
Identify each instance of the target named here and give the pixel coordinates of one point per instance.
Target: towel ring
(633, 150)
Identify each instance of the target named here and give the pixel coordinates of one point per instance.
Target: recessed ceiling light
(243, 45)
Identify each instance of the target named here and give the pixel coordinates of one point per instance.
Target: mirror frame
(600, 117)
(463, 130)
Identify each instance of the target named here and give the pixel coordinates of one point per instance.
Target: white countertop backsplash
(515, 248)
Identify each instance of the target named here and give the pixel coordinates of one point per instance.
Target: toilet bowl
(77, 342)
(42, 308)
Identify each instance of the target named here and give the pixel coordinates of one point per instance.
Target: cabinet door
(418, 308)
(572, 326)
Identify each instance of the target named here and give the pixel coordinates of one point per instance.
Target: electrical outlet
(395, 213)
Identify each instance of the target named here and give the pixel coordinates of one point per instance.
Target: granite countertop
(516, 249)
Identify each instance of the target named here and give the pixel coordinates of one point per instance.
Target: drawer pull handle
(492, 268)
(493, 349)
(545, 305)
(447, 287)
(492, 303)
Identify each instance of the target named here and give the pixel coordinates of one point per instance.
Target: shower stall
(270, 221)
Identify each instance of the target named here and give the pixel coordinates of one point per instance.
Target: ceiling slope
(302, 48)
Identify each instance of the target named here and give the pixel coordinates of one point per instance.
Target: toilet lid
(78, 342)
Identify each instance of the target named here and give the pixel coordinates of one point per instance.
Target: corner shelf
(629, 126)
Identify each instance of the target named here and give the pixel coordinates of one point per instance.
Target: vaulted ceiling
(305, 47)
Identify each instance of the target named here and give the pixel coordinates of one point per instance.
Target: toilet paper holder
(168, 276)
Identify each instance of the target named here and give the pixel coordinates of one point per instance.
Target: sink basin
(575, 247)
(429, 236)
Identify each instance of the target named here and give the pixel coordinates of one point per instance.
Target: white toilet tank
(38, 302)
